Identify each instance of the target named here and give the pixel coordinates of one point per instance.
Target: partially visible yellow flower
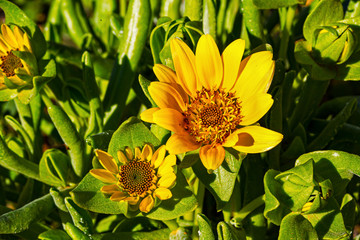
(142, 179)
(11, 66)
(213, 101)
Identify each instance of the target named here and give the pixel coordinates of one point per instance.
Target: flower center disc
(10, 63)
(212, 116)
(136, 177)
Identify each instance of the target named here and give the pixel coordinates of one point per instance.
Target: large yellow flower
(142, 179)
(213, 101)
(11, 66)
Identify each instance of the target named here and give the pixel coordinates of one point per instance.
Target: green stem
(286, 29)
(171, 224)
(250, 207)
(199, 193)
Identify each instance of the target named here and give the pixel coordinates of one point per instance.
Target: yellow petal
(256, 139)
(184, 63)
(177, 144)
(167, 165)
(118, 196)
(158, 156)
(212, 156)
(107, 161)
(255, 108)
(129, 153)
(3, 46)
(9, 36)
(231, 58)
(170, 119)
(122, 158)
(103, 175)
(163, 193)
(27, 42)
(147, 152)
(110, 188)
(167, 181)
(256, 72)
(137, 153)
(146, 204)
(167, 75)
(147, 115)
(208, 62)
(165, 96)
(18, 36)
(132, 200)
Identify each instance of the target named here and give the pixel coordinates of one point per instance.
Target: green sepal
(30, 60)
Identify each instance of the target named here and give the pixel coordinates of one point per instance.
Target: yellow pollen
(136, 177)
(10, 63)
(212, 116)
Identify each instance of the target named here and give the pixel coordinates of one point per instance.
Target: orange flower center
(10, 63)
(212, 116)
(136, 177)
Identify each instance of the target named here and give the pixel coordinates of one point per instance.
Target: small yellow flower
(141, 179)
(213, 101)
(11, 66)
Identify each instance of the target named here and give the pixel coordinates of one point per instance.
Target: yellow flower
(142, 179)
(213, 101)
(12, 66)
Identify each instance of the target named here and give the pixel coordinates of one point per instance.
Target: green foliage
(87, 82)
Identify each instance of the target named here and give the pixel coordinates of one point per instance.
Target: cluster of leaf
(96, 50)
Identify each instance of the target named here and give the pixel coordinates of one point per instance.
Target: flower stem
(250, 207)
(171, 224)
(200, 193)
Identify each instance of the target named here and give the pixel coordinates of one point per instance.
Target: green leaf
(100, 140)
(328, 222)
(80, 217)
(88, 196)
(20, 219)
(221, 182)
(269, 4)
(181, 202)
(348, 210)
(227, 232)
(324, 14)
(13, 14)
(337, 166)
(54, 167)
(54, 234)
(295, 226)
(74, 232)
(205, 231)
(132, 133)
(7, 94)
(162, 234)
(144, 83)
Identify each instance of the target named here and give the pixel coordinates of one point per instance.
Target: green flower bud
(333, 45)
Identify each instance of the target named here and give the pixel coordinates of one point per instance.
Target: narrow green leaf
(269, 4)
(54, 234)
(20, 219)
(80, 217)
(205, 231)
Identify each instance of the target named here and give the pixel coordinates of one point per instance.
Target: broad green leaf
(328, 222)
(181, 202)
(221, 182)
(20, 219)
(227, 232)
(87, 195)
(13, 14)
(269, 4)
(337, 166)
(205, 231)
(132, 133)
(324, 14)
(100, 140)
(349, 211)
(54, 234)
(295, 226)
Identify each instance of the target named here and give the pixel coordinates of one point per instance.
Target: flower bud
(334, 44)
